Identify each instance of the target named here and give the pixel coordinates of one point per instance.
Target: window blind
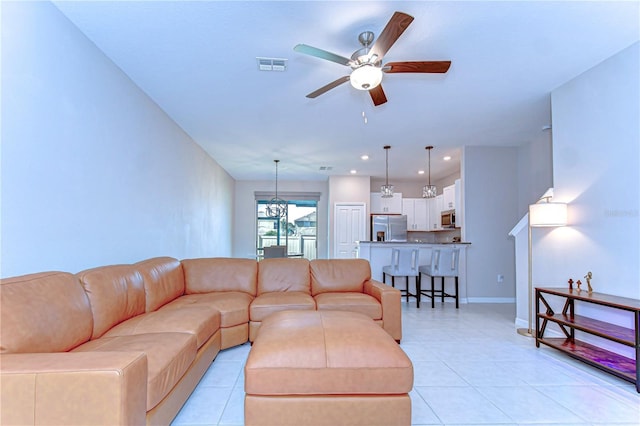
(298, 196)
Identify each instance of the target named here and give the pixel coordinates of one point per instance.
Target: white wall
(93, 172)
(244, 229)
(596, 138)
(535, 176)
(490, 193)
(535, 170)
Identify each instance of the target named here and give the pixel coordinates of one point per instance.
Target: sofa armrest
(389, 298)
(84, 388)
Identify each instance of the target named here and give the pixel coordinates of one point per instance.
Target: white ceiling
(197, 60)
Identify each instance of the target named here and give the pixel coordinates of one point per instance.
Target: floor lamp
(541, 214)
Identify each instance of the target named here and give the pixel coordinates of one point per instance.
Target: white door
(349, 228)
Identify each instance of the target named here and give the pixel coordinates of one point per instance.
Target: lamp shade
(548, 214)
(366, 77)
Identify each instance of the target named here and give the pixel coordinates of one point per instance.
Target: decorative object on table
(386, 189)
(277, 207)
(541, 214)
(579, 283)
(588, 277)
(570, 283)
(429, 191)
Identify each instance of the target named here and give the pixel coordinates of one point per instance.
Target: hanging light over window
(386, 189)
(276, 207)
(429, 191)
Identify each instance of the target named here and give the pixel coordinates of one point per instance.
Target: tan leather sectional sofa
(127, 344)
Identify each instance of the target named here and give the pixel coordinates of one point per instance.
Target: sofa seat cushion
(351, 302)
(200, 321)
(268, 303)
(232, 305)
(325, 353)
(169, 355)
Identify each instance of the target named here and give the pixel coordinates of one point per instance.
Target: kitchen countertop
(411, 242)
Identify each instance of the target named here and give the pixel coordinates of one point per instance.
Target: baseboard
(464, 300)
(522, 323)
(491, 299)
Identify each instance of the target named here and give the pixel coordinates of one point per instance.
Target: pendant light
(277, 207)
(429, 191)
(386, 189)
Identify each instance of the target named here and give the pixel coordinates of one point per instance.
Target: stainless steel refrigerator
(388, 228)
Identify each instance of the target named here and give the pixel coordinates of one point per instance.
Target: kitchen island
(378, 253)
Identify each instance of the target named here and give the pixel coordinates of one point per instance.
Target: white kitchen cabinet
(435, 210)
(381, 205)
(449, 197)
(417, 212)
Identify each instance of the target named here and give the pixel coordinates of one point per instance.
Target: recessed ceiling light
(420, 172)
(353, 172)
(447, 158)
(364, 157)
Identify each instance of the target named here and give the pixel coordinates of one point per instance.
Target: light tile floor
(470, 367)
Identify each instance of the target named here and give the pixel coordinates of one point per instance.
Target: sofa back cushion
(217, 274)
(44, 312)
(163, 281)
(277, 275)
(116, 293)
(339, 275)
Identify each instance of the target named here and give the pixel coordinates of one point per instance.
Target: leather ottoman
(326, 368)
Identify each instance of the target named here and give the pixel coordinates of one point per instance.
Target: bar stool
(404, 263)
(444, 263)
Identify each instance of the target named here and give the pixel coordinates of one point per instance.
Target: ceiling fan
(366, 62)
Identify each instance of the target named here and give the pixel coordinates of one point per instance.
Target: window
(297, 230)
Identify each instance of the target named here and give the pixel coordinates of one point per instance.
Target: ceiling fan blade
(328, 87)
(322, 54)
(417, 66)
(377, 95)
(394, 29)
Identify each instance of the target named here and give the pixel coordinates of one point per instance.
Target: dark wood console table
(568, 322)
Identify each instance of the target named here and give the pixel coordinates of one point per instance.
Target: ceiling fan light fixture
(366, 77)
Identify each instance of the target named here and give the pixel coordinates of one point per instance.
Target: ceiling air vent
(326, 168)
(272, 64)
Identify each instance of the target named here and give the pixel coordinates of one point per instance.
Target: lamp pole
(528, 332)
(540, 215)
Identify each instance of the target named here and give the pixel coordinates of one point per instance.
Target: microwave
(448, 219)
